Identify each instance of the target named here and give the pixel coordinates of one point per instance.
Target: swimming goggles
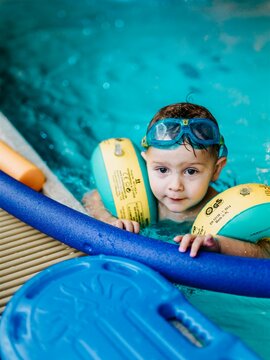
(169, 132)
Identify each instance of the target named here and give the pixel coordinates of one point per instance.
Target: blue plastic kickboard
(104, 307)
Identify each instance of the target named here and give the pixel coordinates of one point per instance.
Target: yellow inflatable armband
(241, 212)
(121, 179)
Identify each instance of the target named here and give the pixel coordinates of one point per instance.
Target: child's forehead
(183, 153)
(181, 149)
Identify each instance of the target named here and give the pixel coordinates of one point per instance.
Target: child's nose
(176, 184)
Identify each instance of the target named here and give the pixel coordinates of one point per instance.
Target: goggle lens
(166, 132)
(204, 131)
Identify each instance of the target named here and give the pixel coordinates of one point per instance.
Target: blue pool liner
(210, 271)
(102, 307)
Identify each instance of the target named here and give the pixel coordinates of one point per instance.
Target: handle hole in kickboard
(195, 339)
(186, 325)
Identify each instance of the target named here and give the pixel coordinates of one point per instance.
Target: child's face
(180, 178)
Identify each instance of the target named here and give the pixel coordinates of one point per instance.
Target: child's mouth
(176, 199)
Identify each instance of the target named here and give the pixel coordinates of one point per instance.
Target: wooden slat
(24, 251)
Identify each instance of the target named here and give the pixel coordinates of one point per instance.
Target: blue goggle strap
(223, 150)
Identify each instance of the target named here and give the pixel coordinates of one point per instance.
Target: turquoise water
(74, 73)
(246, 317)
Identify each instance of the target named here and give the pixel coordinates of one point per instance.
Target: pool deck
(24, 250)
(53, 187)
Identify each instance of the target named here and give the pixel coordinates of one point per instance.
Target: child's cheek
(154, 184)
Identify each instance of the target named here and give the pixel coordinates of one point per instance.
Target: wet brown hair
(182, 110)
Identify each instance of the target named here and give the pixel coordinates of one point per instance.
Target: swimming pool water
(74, 73)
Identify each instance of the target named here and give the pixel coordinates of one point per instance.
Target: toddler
(184, 153)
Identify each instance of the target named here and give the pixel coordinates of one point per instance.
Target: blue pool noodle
(216, 272)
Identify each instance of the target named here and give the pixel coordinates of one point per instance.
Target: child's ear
(218, 167)
(143, 155)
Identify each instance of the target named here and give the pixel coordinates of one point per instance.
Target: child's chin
(177, 208)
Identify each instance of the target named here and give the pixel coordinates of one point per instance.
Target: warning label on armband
(133, 211)
(126, 183)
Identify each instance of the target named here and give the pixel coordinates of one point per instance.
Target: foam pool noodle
(20, 168)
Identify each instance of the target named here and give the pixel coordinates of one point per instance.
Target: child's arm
(224, 245)
(95, 208)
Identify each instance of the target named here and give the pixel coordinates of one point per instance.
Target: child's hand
(129, 225)
(196, 242)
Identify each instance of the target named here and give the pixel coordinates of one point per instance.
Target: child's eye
(191, 171)
(162, 170)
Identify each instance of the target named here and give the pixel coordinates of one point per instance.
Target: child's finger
(128, 225)
(178, 238)
(195, 247)
(212, 243)
(185, 242)
(209, 240)
(119, 224)
(136, 227)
